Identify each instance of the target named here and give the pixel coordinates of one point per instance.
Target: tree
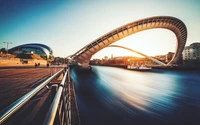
(3, 50)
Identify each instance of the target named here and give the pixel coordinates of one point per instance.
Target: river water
(116, 96)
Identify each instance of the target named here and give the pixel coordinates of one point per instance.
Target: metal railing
(6, 113)
(60, 110)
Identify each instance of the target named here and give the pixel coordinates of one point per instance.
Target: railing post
(61, 108)
(69, 77)
(69, 106)
(54, 90)
(57, 104)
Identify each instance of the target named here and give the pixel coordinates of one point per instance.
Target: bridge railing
(60, 110)
(14, 107)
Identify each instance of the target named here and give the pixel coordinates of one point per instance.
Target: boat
(138, 68)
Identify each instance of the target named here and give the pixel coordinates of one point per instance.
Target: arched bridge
(148, 57)
(84, 55)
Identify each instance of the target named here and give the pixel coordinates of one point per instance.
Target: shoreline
(187, 68)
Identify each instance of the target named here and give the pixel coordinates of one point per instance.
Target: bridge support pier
(85, 65)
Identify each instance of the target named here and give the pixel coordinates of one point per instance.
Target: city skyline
(67, 26)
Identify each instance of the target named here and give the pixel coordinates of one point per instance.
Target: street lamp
(7, 45)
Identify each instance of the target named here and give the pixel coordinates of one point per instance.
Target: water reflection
(130, 97)
(142, 90)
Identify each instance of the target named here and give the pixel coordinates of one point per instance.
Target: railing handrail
(6, 113)
(54, 106)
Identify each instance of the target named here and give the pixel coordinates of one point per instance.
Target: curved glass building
(35, 48)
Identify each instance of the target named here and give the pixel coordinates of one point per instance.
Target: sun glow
(150, 42)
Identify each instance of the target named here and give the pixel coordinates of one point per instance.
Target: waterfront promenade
(16, 82)
(16, 62)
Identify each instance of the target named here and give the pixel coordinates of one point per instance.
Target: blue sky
(68, 25)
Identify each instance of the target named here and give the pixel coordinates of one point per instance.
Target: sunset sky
(68, 25)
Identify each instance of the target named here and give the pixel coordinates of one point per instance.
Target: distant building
(111, 56)
(34, 48)
(59, 60)
(95, 61)
(169, 56)
(106, 57)
(191, 54)
(161, 58)
(127, 60)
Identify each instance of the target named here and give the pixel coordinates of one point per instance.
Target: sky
(68, 25)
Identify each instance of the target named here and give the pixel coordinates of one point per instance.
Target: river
(116, 96)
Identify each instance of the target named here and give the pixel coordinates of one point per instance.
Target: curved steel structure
(166, 22)
(148, 57)
(46, 49)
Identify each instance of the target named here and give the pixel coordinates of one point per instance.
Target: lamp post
(7, 45)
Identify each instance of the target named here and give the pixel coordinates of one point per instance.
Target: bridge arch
(171, 23)
(148, 57)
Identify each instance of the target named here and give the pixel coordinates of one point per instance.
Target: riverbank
(119, 66)
(189, 68)
(197, 68)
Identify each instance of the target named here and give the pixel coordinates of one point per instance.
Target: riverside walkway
(16, 82)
